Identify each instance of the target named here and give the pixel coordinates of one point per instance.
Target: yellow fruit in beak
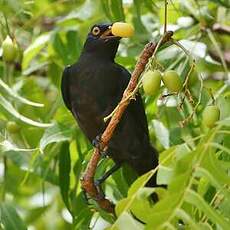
(122, 29)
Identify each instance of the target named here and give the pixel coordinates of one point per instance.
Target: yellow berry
(122, 29)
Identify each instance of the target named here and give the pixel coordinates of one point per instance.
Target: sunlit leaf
(128, 222)
(56, 133)
(10, 109)
(162, 133)
(193, 198)
(18, 97)
(39, 43)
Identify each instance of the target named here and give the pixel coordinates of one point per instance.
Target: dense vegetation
(43, 152)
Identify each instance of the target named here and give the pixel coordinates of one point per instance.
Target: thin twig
(88, 178)
(221, 29)
(188, 75)
(218, 50)
(166, 16)
(7, 26)
(182, 47)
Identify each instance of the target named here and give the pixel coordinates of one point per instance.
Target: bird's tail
(148, 161)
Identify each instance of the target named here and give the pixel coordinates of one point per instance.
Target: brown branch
(216, 57)
(88, 177)
(221, 29)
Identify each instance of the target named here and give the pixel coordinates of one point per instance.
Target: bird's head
(101, 41)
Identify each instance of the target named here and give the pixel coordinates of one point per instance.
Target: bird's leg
(97, 144)
(96, 141)
(100, 180)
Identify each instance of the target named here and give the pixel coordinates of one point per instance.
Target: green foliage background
(41, 165)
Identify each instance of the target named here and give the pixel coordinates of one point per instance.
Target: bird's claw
(96, 140)
(97, 143)
(104, 154)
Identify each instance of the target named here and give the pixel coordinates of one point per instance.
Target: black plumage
(91, 89)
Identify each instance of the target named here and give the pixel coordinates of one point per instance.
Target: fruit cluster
(151, 82)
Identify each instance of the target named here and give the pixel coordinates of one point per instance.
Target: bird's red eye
(96, 31)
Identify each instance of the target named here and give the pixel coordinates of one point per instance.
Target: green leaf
(126, 204)
(225, 122)
(73, 45)
(218, 146)
(60, 48)
(67, 46)
(35, 213)
(35, 67)
(34, 49)
(201, 172)
(10, 218)
(195, 199)
(12, 93)
(56, 133)
(141, 206)
(180, 213)
(10, 109)
(113, 9)
(165, 208)
(222, 2)
(139, 27)
(140, 183)
(117, 9)
(126, 221)
(64, 172)
(211, 163)
(162, 133)
(20, 158)
(158, 219)
(121, 205)
(167, 156)
(164, 175)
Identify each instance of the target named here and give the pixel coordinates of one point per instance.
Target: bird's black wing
(136, 151)
(65, 87)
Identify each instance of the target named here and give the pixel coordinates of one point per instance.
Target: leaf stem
(166, 16)
(218, 50)
(7, 26)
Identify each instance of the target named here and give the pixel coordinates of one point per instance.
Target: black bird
(91, 89)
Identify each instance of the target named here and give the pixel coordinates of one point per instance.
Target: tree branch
(88, 177)
(221, 29)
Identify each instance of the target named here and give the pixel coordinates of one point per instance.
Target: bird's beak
(108, 34)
